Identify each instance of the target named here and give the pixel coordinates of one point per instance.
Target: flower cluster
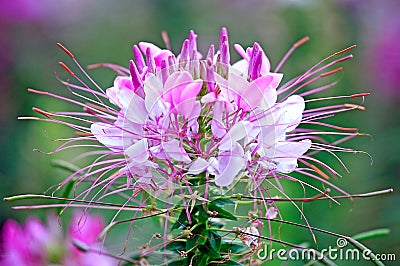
(184, 116)
(37, 244)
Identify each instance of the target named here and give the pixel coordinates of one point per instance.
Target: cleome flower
(165, 97)
(179, 130)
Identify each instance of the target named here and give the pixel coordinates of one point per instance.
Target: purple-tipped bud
(164, 71)
(184, 52)
(254, 53)
(224, 33)
(171, 63)
(136, 80)
(256, 46)
(225, 56)
(202, 70)
(211, 53)
(151, 66)
(138, 58)
(256, 68)
(210, 75)
(194, 64)
(193, 45)
(218, 58)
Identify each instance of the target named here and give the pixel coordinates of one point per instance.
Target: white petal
(136, 111)
(230, 164)
(292, 111)
(124, 97)
(242, 66)
(239, 131)
(153, 89)
(217, 127)
(198, 166)
(176, 151)
(108, 134)
(138, 152)
(287, 153)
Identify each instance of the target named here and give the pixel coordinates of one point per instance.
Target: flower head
(163, 101)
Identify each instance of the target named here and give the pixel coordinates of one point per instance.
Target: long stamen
(291, 50)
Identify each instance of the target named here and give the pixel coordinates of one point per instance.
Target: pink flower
(166, 104)
(24, 245)
(180, 91)
(37, 244)
(86, 229)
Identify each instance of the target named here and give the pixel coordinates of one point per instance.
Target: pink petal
(266, 65)
(188, 98)
(174, 86)
(158, 54)
(256, 92)
(85, 228)
(153, 89)
(121, 83)
(209, 98)
(154, 49)
(242, 52)
(276, 79)
(36, 230)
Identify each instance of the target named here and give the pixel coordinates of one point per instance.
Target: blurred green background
(105, 31)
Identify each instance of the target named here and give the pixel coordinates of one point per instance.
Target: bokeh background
(104, 31)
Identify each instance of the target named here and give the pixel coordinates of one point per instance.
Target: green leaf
(216, 224)
(234, 248)
(202, 261)
(208, 251)
(221, 212)
(176, 245)
(203, 215)
(214, 242)
(183, 220)
(198, 237)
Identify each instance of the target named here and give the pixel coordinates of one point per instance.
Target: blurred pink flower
(85, 229)
(24, 245)
(35, 244)
(384, 64)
